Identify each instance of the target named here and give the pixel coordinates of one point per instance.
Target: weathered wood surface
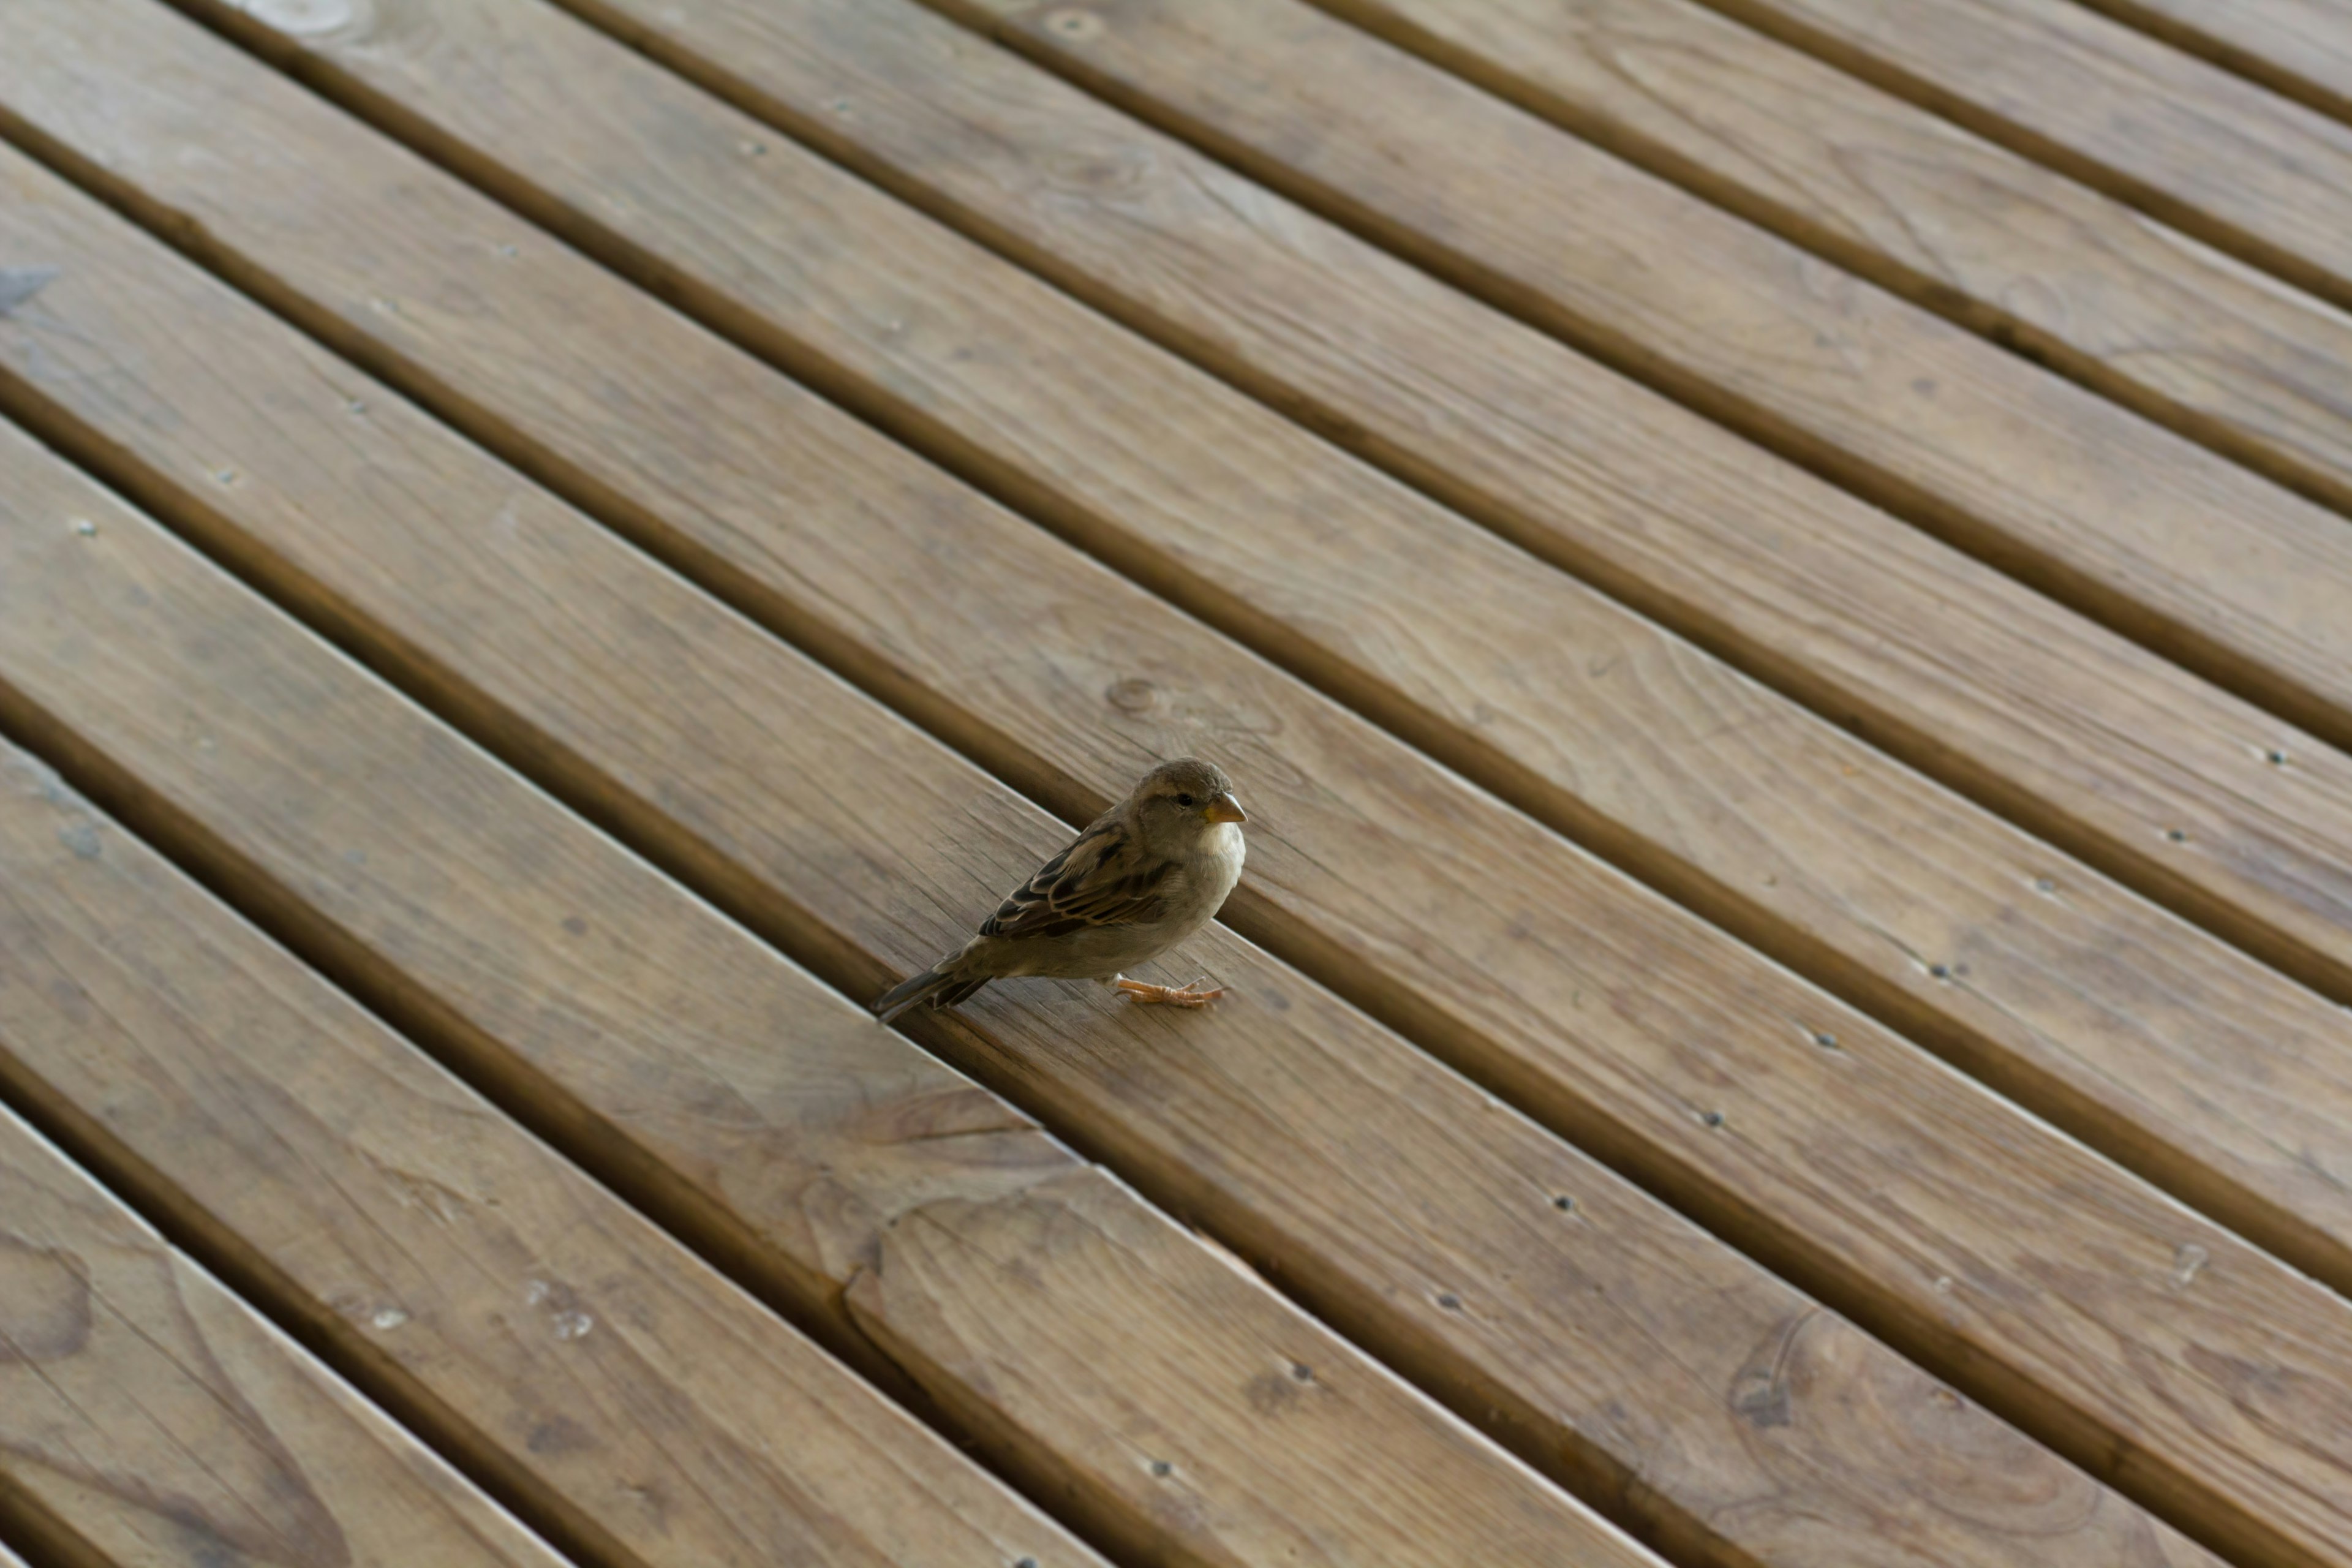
(1291, 93)
(1956, 669)
(508, 1306)
(150, 1419)
(2219, 157)
(2224, 1085)
(2300, 47)
(1715, 1408)
(2180, 548)
(1494, 941)
(829, 1161)
(2075, 280)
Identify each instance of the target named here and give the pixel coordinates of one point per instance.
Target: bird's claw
(1189, 996)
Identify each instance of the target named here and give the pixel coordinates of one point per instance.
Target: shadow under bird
(1144, 876)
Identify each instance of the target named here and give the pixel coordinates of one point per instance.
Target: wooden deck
(1775, 576)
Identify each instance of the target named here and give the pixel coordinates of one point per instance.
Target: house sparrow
(1144, 876)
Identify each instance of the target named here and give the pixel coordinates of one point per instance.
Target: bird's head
(1178, 803)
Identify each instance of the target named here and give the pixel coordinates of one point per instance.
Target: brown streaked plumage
(1144, 876)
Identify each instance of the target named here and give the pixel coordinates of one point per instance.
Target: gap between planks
(158, 1418)
(1891, 717)
(815, 1183)
(1367, 1043)
(1162, 92)
(2258, 42)
(2235, 345)
(2071, 37)
(150, 1071)
(2295, 1234)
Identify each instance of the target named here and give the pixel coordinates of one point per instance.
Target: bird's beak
(1224, 808)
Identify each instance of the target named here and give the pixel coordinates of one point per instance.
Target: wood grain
(1710, 1406)
(717, 1083)
(504, 1301)
(1869, 1170)
(148, 1417)
(2164, 539)
(2222, 1087)
(2299, 47)
(2213, 155)
(2006, 247)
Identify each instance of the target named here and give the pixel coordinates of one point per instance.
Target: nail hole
(1713, 1119)
(1449, 1301)
(1564, 1205)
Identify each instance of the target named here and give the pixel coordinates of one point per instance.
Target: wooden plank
(150, 1418)
(506, 1304)
(948, 1244)
(2300, 47)
(2201, 560)
(2220, 158)
(1496, 942)
(1932, 657)
(2238, 1108)
(2182, 550)
(2076, 280)
(1625, 1360)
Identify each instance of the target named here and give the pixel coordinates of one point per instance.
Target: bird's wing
(1101, 879)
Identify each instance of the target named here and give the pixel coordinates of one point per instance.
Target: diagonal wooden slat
(931, 1232)
(1706, 784)
(149, 1418)
(2165, 539)
(1868, 1169)
(500, 1300)
(1720, 1411)
(2072, 278)
(2210, 154)
(2299, 47)
(1442, 635)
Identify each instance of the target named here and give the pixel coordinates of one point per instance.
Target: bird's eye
(1184, 800)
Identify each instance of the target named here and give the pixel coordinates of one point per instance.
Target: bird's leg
(1173, 996)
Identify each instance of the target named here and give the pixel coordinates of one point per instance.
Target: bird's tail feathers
(941, 990)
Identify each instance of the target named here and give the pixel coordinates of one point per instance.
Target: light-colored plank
(2217, 156)
(2195, 557)
(842, 1170)
(2077, 280)
(1610, 1341)
(1674, 1051)
(150, 1419)
(2300, 47)
(546, 1332)
(1716, 788)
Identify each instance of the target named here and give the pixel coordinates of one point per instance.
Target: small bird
(1144, 876)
